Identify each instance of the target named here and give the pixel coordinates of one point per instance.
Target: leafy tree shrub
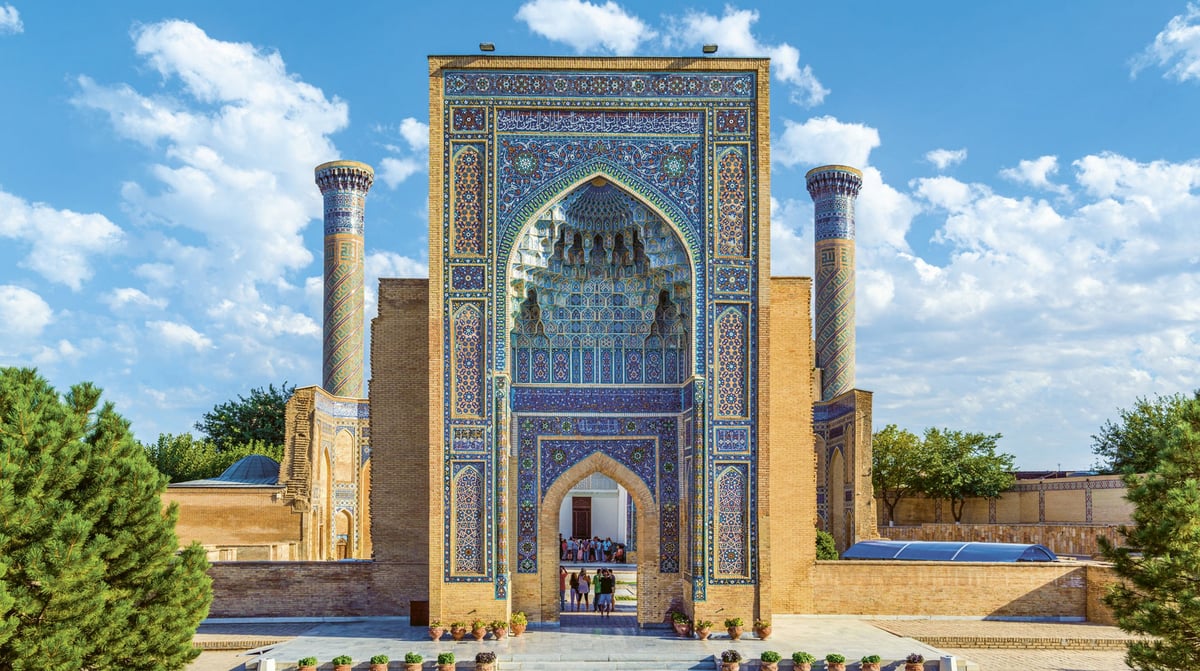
(1131, 444)
(183, 458)
(261, 417)
(826, 548)
(90, 576)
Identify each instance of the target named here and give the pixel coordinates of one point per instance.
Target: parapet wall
(308, 589)
(1064, 539)
(966, 589)
(1093, 499)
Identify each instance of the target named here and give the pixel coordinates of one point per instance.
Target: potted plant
(478, 629)
(446, 660)
(412, 661)
(499, 629)
(703, 629)
(485, 661)
(914, 662)
(380, 662)
(769, 660)
(307, 664)
(436, 630)
(803, 660)
(458, 630)
(731, 660)
(762, 629)
(518, 622)
(342, 663)
(681, 623)
(734, 626)
(835, 662)
(870, 662)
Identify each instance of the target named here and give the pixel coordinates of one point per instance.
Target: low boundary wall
(1060, 590)
(307, 589)
(1067, 539)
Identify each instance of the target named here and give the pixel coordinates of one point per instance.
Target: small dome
(254, 469)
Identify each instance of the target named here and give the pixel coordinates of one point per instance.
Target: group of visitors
(590, 549)
(583, 586)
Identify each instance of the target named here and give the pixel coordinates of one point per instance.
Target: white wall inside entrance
(609, 503)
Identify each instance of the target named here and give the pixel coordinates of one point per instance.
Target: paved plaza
(586, 641)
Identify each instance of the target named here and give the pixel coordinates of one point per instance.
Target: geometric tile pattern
(732, 236)
(731, 362)
(468, 361)
(731, 521)
(468, 202)
(468, 521)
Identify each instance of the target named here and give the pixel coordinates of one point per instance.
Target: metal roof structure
(950, 551)
(254, 470)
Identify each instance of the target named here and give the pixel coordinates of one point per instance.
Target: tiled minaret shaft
(833, 189)
(344, 184)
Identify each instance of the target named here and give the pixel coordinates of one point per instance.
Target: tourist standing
(572, 549)
(608, 584)
(574, 583)
(585, 589)
(562, 587)
(596, 591)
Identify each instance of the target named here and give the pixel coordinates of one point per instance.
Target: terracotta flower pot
(870, 666)
(914, 666)
(763, 632)
(415, 666)
(436, 633)
(457, 633)
(835, 666)
(306, 668)
(485, 666)
(730, 666)
(768, 666)
(445, 667)
(517, 629)
(500, 632)
(342, 667)
(735, 632)
(803, 666)
(383, 667)
(479, 633)
(681, 629)
(703, 634)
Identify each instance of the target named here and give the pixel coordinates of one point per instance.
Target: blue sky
(1028, 255)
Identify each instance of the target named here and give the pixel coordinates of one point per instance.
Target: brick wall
(400, 511)
(229, 516)
(1093, 499)
(1050, 590)
(789, 533)
(1066, 539)
(307, 589)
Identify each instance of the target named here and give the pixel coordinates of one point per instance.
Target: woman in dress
(585, 589)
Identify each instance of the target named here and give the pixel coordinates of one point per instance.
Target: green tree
(961, 465)
(1128, 445)
(261, 417)
(1160, 558)
(897, 463)
(183, 458)
(826, 548)
(90, 576)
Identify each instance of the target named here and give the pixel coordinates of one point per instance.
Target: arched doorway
(649, 576)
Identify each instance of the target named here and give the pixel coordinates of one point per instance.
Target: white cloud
(63, 351)
(393, 171)
(60, 241)
(824, 140)
(1036, 173)
(1176, 48)
(10, 20)
(415, 133)
(126, 296)
(585, 26)
(23, 313)
(175, 334)
(732, 33)
(944, 158)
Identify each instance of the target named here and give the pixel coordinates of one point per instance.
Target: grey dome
(254, 469)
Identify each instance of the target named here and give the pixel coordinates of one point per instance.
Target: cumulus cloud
(61, 242)
(944, 158)
(585, 26)
(175, 334)
(822, 140)
(10, 20)
(1176, 48)
(24, 313)
(411, 158)
(1036, 173)
(122, 297)
(415, 133)
(732, 32)
(393, 171)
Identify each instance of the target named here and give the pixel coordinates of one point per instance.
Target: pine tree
(1160, 560)
(89, 573)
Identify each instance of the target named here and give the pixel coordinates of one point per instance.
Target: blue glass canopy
(949, 551)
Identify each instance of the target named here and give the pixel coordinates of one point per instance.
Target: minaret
(344, 184)
(833, 189)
